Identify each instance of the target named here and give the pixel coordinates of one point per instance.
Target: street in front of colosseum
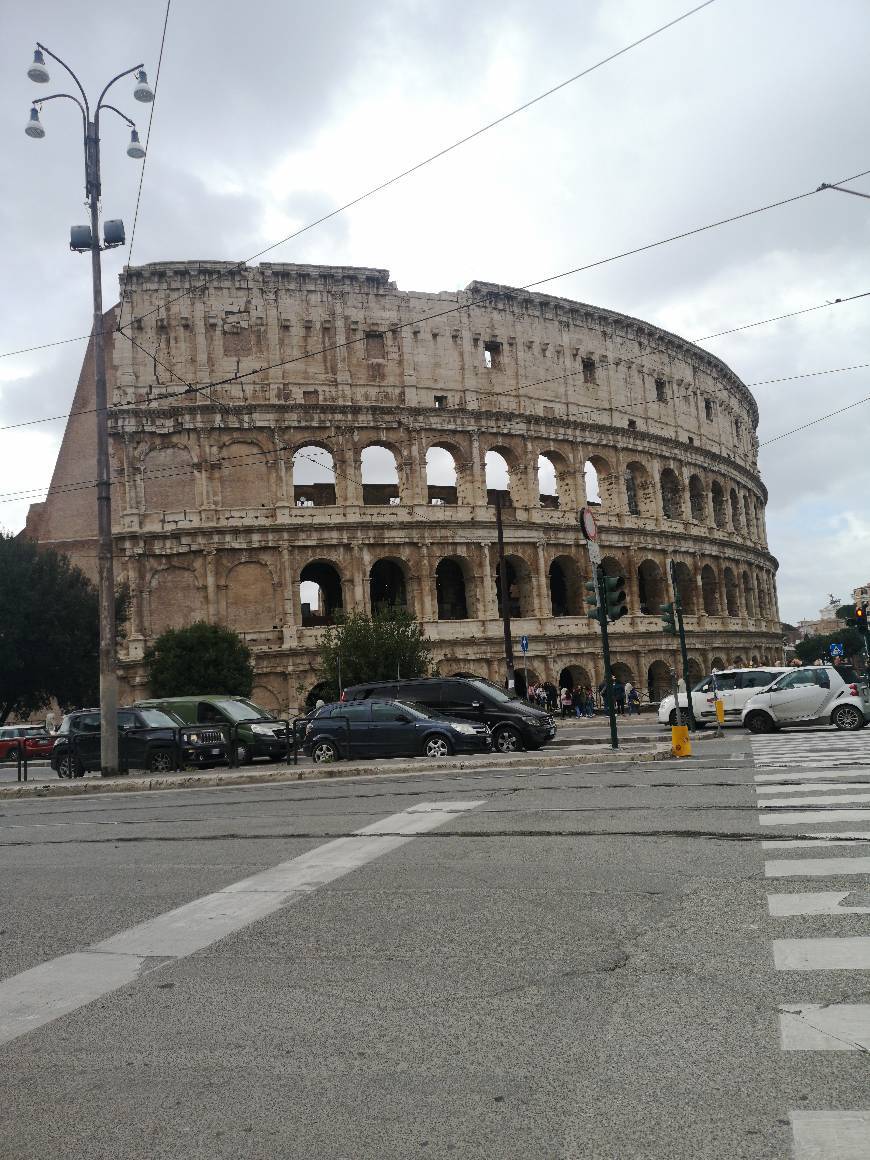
(644, 959)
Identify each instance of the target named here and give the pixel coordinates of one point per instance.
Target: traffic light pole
(505, 599)
(684, 656)
(605, 646)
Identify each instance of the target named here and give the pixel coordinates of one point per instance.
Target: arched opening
(320, 692)
(638, 490)
(244, 479)
(168, 479)
(717, 664)
(710, 591)
(548, 482)
(441, 477)
(747, 516)
(498, 478)
(598, 481)
(651, 588)
(717, 495)
(696, 672)
(387, 586)
(520, 685)
(735, 510)
(380, 477)
(738, 663)
(658, 681)
(672, 495)
(622, 672)
(763, 605)
(748, 595)
(732, 602)
(574, 677)
(450, 590)
(686, 587)
(265, 698)
(565, 587)
(319, 593)
(313, 477)
(696, 498)
(754, 662)
(519, 586)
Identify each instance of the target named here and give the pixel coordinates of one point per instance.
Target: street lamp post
(81, 240)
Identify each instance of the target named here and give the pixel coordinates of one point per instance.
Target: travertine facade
(212, 520)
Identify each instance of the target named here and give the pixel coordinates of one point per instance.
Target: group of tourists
(584, 701)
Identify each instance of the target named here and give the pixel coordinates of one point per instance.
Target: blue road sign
(524, 643)
(836, 650)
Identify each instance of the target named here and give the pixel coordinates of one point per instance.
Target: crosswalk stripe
(818, 774)
(813, 787)
(806, 817)
(815, 867)
(820, 838)
(822, 954)
(823, 902)
(830, 1135)
(833, 1027)
(834, 799)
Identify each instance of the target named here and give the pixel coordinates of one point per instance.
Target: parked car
(257, 733)
(735, 687)
(389, 728)
(813, 695)
(33, 740)
(147, 739)
(513, 724)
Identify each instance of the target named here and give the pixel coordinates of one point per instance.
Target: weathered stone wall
(209, 521)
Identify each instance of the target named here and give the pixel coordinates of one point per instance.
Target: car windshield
(157, 719)
(243, 711)
(491, 690)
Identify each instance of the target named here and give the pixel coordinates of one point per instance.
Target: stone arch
(548, 482)
(379, 472)
(319, 692)
(320, 593)
(612, 566)
(763, 605)
(451, 588)
(313, 470)
(244, 475)
(710, 591)
(442, 475)
(499, 466)
(519, 585)
(747, 516)
(686, 586)
(573, 675)
(717, 664)
(735, 509)
(696, 672)
(168, 479)
(672, 494)
(623, 672)
(598, 478)
(732, 600)
(748, 594)
(638, 490)
(697, 499)
(251, 597)
(651, 588)
(267, 699)
(388, 584)
(566, 587)
(738, 662)
(717, 498)
(174, 599)
(658, 680)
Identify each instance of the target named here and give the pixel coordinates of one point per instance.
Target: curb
(290, 773)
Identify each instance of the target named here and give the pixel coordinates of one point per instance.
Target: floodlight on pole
(37, 71)
(143, 91)
(34, 128)
(135, 148)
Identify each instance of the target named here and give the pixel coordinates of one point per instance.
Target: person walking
(632, 700)
(565, 701)
(619, 695)
(589, 698)
(577, 701)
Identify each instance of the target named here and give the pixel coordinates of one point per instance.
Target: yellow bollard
(720, 711)
(681, 746)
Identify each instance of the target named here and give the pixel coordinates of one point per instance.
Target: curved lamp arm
(56, 96)
(125, 73)
(123, 116)
(63, 64)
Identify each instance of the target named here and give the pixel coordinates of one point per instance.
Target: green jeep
(256, 732)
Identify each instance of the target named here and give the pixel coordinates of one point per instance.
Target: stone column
(211, 585)
(487, 603)
(291, 604)
(478, 472)
(427, 608)
(542, 601)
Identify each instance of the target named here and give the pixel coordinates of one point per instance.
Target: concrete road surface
(655, 961)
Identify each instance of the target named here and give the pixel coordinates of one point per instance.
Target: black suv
(513, 723)
(147, 739)
(376, 728)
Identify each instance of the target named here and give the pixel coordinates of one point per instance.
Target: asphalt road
(570, 962)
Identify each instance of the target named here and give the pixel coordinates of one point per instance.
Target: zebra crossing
(832, 749)
(801, 814)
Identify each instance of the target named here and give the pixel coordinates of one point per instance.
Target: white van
(813, 695)
(735, 686)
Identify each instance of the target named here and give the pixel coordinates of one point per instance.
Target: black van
(514, 724)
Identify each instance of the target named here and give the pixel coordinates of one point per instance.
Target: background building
(350, 449)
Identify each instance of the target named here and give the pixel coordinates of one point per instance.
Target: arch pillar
(427, 609)
(541, 596)
(348, 476)
(211, 593)
(478, 474)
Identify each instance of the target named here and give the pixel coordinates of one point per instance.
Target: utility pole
(82, 239)
(681, 632)
(505, 597)
(606, 602)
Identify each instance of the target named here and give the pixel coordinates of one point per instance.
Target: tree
(49, 630)
(381, 647)
(813, 647)
(202, 658)
(845, 612)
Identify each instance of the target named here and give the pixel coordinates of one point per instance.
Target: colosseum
(290, 440)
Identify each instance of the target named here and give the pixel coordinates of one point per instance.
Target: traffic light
(614, 597)
(669, 622)
(593, 610)
(861, 619)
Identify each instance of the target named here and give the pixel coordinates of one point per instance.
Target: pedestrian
(619, 695)
(577, 701)
(565, 701)
(589, 698)
(633, 700)
(628, 690)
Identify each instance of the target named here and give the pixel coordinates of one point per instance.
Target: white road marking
(813, 787)
(805, 817)
(822, 954)
(823, 902)
(46, 992)
(815, 801)
(831, 1135)
(820, 838)
(817, 774)
(835, 1027)
(815, 867)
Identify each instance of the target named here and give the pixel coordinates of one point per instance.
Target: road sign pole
(678, 610)
(605, 646)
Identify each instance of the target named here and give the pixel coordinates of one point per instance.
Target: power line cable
(813, 422)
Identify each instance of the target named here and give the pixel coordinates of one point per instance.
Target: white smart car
(735, 687)
(813, 695)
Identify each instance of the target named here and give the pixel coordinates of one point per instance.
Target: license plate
(215, 753)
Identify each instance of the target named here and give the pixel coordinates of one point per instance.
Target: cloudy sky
(261, 126)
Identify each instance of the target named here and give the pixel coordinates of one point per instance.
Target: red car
(30, 739)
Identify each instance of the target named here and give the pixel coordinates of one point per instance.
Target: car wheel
(507, 740)
(161, 761)
(66, 767)
(242, 755)
(759, 723)
(672, 720)
(848, 717)
(438, 747)
(323, 753)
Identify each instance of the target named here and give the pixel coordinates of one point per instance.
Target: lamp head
(34, 128)
(143, 91)
(134, 149)
(37, 71)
